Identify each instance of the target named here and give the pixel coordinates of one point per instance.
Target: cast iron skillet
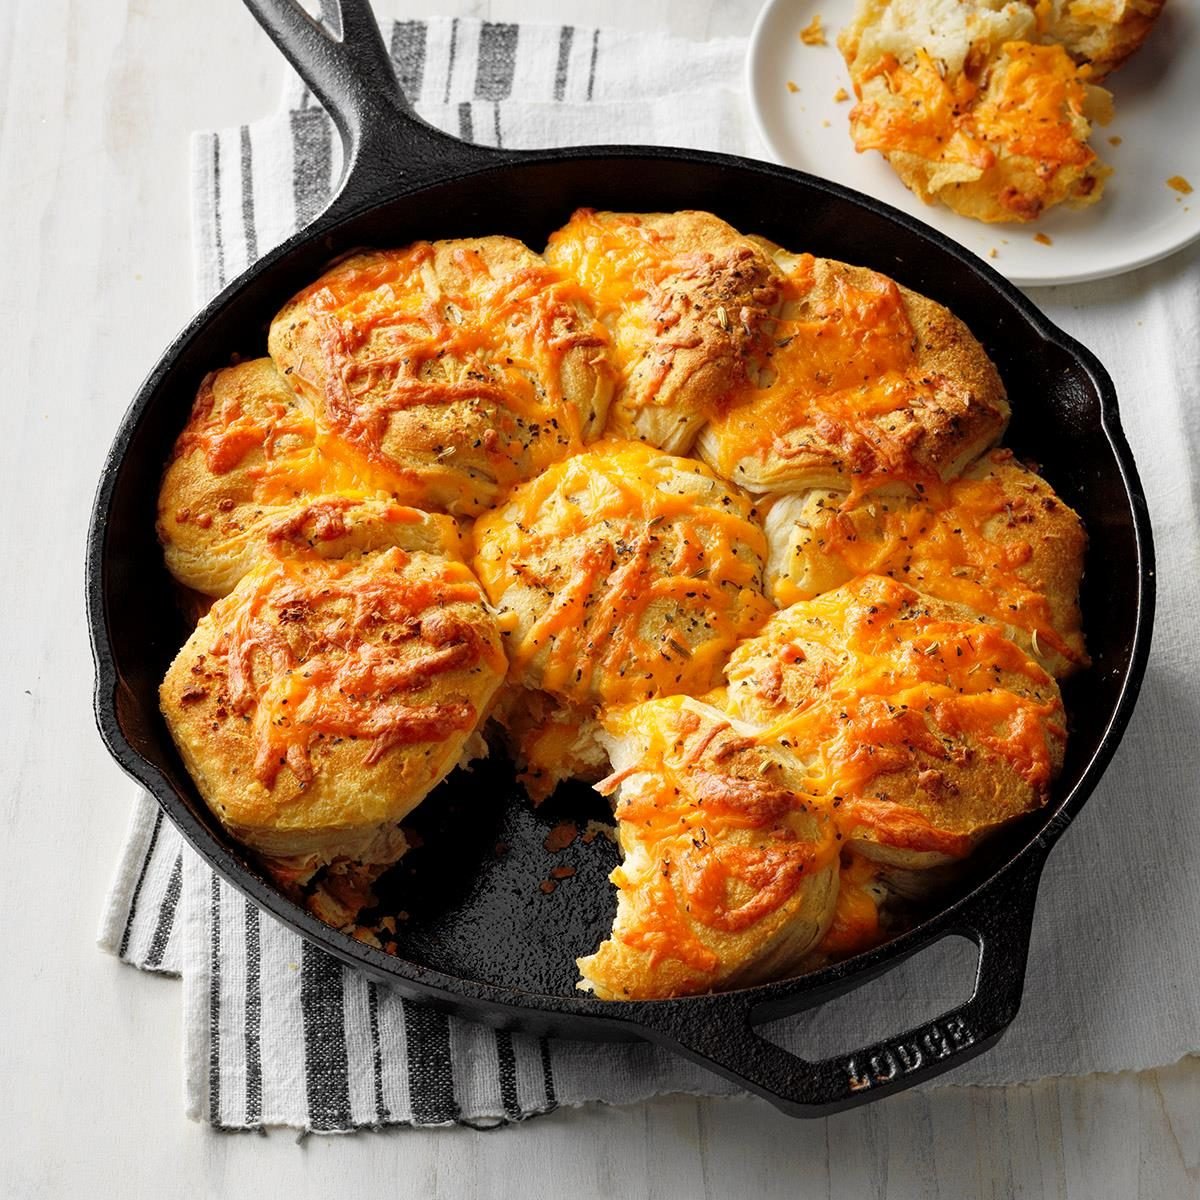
(482, 939)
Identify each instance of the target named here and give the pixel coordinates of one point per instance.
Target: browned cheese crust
(997, 540)
(445, 373)
(729, 874)
(685, 296)
(247, 455)
(322, 699)
(865, 385)
(923, 724)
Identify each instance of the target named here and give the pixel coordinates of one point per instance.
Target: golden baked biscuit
(970, 109)
(446, 372)
(729, 873)
(997, 539)
(323, 698)
(622, 573)
(685, 296)
(865, 385)
(1099, 33)
(921, 721)
(247, 454)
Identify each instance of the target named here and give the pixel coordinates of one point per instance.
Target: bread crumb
(993, 253)
(1180, 184)
(1114, 140)
(826, 124)
(561, 836)
(840, 95)
(812, 34)
(792, 87)
(1041, 237)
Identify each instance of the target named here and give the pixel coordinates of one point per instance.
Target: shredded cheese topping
(622, 573)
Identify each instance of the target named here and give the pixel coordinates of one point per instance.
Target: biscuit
(685, 296)
(446, 372)
(997, 539)
(865, 385)
(622, 573)
(321, 700)
(730, 872)
(972, 109)
(247, 455)
(923, 724)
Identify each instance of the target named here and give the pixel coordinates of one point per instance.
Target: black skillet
(483, 940)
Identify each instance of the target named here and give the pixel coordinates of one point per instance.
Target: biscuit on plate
(321, 700)
(996, 539)
(864, 384)
(685, 296)
(922, 722)
(729, 873)
(1099, 33)
(971, 108)
(446, 372)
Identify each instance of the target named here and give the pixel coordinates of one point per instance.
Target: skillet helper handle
(386, 147)
(706, 1031)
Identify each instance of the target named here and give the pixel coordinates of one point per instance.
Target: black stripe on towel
(248, 230)
(592, 68)
(218, 240)
(466, 125)
(431, 1069)
(253, 1016)
(408, 56)
(381, 1109)
(326, 1064)
(450, 64)
(137, 887)
(166, 914)
(506, 1060)
(214, 1002)
(548, 1075)
(565, 37)
(312, 152)
(497, 61)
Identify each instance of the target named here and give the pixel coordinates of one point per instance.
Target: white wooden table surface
(97, 98)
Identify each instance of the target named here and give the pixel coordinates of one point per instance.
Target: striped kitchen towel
(279, 1033)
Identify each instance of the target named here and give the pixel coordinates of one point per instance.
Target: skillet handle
(386, 147)
(704, 1029)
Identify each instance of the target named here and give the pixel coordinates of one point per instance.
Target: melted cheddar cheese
(996, 540)
(447, 371)
(622, 573)
(920, 722)
(851, 393)
(305, 660)
(729, 870)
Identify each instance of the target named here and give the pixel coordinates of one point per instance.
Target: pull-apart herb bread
(720, 528)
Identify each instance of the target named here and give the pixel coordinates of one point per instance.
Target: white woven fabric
(278, 1033)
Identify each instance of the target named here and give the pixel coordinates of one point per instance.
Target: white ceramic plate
(1140, 219)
